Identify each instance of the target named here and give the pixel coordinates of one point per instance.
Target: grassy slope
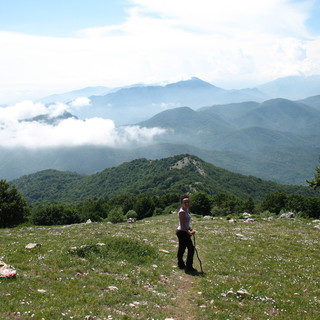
(275, 261)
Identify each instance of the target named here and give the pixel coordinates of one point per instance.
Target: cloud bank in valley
(33, 125)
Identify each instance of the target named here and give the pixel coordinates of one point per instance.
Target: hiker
(184, 233)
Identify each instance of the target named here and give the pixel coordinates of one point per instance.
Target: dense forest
(144, 188)
(177, 174)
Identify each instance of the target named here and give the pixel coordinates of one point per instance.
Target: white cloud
(80, 102)
(230, 42)
(16, 131)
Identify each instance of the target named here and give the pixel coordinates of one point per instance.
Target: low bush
(118, 248)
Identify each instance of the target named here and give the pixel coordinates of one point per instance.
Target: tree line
(14, 209)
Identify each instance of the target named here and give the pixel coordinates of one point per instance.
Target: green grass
(132, 276)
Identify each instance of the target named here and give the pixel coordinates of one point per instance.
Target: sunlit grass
(259, 270)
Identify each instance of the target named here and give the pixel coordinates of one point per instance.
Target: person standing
(184, 233)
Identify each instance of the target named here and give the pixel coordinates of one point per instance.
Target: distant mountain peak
(194, 82)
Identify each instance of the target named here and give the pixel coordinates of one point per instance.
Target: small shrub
(218, 212)
(118, 248)
(131, 214)
(157, 212)
(116, 215)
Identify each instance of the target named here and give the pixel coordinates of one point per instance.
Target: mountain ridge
(177, 174)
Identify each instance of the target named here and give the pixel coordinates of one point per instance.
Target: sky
(55, 46)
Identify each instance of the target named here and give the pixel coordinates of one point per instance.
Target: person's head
(184, 199)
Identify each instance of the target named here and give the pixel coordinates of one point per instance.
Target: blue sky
(56, 46)
(60, 18)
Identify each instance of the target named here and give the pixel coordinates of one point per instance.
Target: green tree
(312, 207)
(54, 214)
(248, 205)
(295, 202)
(200, 203)
(116, 215)
(274, 202)
(224, 204)
(144, 206)
(316, 182)
(13, 207)
(95, 210)
(131, 214)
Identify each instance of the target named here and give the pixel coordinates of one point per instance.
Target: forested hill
(182, 173)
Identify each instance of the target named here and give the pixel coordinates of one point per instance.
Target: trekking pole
(195, 248)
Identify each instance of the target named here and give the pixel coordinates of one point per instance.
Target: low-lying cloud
(33, 125)
(80, 102)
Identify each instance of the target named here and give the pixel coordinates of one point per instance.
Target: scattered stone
(113, 288)
(268, 219)
(250, 220)
(164, 251)
(100, 244)
(232, 221)
(242, 292)
(317, 226)
(287, 215)
(131, 220)
(89, 221)
(246, 215)
(207, 217)
(33, 245)
(42, 291)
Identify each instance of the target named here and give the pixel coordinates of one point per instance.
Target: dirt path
(185, 291)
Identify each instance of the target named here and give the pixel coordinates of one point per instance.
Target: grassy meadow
(252, 270)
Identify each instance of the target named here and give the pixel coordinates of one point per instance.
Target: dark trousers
(185, 242)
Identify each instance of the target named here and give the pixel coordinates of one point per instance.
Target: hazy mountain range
(121, 104)
(240, 130)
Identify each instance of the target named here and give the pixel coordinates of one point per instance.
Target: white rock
(164, 251)
(42, 291)
(287, 215)
(242, 292)
(113, 288)
(32, 245)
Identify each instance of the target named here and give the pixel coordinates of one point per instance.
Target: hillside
(182, 173)
(292, 87)
(277, 139)
(274, 133)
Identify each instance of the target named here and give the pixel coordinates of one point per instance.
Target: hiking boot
(191, 270)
